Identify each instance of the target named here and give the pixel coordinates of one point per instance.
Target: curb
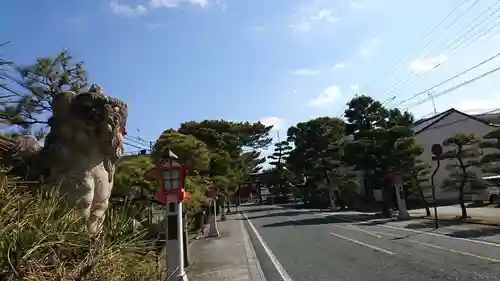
(254, 269)
(471, 221)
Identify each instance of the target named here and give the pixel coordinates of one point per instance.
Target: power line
(455, 87)
(402, 57)
(414, 45)
(137, 139)
(470, 42)
(135, 146)
(398, 87)
(428, 43)
(449, 79)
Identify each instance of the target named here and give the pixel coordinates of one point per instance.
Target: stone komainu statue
(81, 150)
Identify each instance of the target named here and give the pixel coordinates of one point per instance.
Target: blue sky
(279, 61)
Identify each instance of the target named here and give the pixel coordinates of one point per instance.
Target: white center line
(281, 270)
(363, 244)
(440, 247)
(444, 236)
(358, 229)
(454, 251)
(431, 233)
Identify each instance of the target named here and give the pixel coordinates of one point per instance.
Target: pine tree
(35, 86)
(278, 174)
(491, 160)
(419, 177)
(463, 148)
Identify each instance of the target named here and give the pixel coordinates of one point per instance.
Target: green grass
(41, 239)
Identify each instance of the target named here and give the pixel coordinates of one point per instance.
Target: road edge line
(254, 268)
(279, 268)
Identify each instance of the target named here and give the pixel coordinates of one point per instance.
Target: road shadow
(431, 224)
(344, 218)
(309, 208)
(376, 222)
(478, 205)
(254, 209)
(476, 232)
(280, 214)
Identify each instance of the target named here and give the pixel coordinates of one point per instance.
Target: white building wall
(447, 127)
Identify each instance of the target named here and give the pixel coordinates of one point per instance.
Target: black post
(185, 246)
(436, 222)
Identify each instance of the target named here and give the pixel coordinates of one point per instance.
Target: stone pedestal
(403, 211)
(213, 230)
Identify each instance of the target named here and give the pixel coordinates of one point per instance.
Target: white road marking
(444, 236)
(454, 251)
(441, 248)
(281, 270)
(351, 227)
(433, 234)
(358, 229)
(363, 244)
(388, 234)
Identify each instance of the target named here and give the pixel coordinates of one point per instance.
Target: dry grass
(41, 239)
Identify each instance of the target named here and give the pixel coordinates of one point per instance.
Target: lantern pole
(174, 223)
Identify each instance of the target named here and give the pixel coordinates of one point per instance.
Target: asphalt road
(305, 245)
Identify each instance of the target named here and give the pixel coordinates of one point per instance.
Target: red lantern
(171, 175)
(212, 193)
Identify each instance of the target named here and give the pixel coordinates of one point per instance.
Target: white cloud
(329, 96)
(276, 122)
(476, 106)
(126, 10)
(164, 3)
(426, 64)
(370, 47)
(201, 3)
(222, 4)
(354, 87)
(304, 72)
(259, 28)
(303, 25)
(339, 65)
(154, 25)
(175, 3)
(324, 15)
(307, 18)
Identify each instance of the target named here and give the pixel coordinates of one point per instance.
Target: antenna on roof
(433, 103)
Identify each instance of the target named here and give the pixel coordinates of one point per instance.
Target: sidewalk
(228, 257)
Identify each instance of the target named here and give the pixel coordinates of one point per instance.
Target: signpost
(213, 230)
(437, 152)
(171, 176)
(397, 181)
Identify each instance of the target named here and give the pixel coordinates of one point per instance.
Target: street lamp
(171, 176)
